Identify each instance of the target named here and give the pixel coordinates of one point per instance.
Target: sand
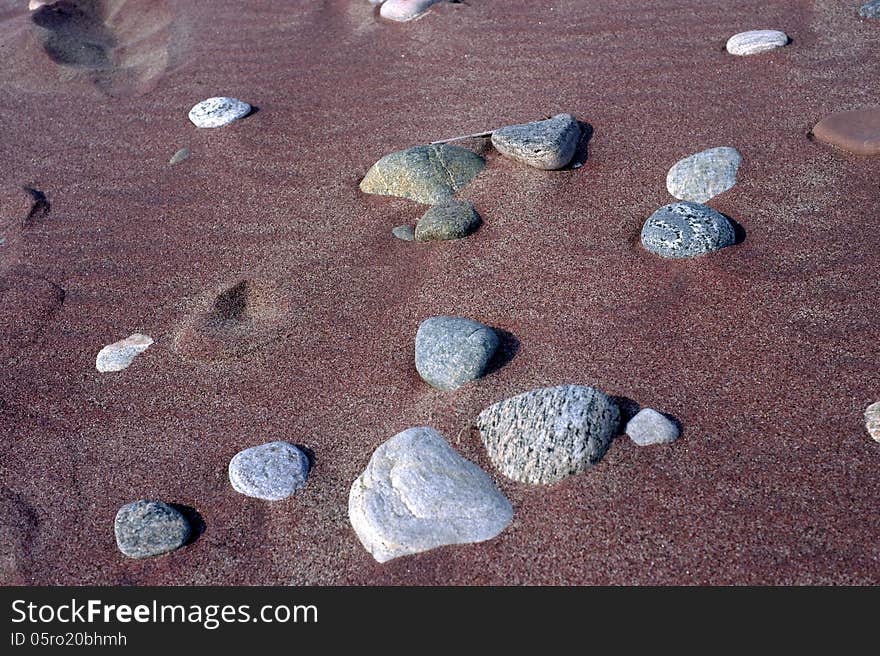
(766, 352)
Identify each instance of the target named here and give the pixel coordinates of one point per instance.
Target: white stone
(405, 10)
(33, 5)
(217, 112)
(270, 471)
(650, 427)
(417, 493)
(872, 421)
(117, 356)
(703, 176)
(756, 41)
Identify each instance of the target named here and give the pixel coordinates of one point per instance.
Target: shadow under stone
(196, 521)
(582, 153)
(507, 350)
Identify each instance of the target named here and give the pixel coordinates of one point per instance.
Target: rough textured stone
(755, 42)
(217, 112)
(451, 219)
(545, 145)
(686, 230)
(704, 175)
(270, 471)
(547, 434)
(651, 427)
(417, 493)
(872, 421)
(452, 351)
(426, 174)
(870, 9)
(856, 131)
(405, 10)
(148, 528)
(117, 356)
(404, 232)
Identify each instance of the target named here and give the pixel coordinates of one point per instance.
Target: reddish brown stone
(856, 131)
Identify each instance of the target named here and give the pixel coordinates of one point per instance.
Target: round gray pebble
(148, 528)
(270, 471)
(686, 230)
(704, 175)
(650, 427)
(451, 219)
(452, 351)
(548, 144)
(217, 112)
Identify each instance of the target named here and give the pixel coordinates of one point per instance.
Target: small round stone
(217, 112)
(704, 175)
(755, 42)
(651, 427)
(148, 528)
(404, 232)
(452, 351)
(856, 131)
(270, 471)
(686, 230)
(451, 219)
(547, 145)
(872, 421)
(119, 355)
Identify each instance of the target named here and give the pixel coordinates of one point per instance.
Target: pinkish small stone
(855, 131)
(404, 10)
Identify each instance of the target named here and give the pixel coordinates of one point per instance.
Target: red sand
(765, 351)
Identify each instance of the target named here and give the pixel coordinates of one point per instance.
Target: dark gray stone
(404, 232)
(148, 528)
(547, 145)
(426, 174)
(870, 9)
(451, 219)
(686, 230)
(452, 351)
(270, 471)
(548, 434)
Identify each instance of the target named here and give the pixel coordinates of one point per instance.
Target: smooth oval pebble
(686, 230)
(119, 355)
(148, 528)
(856, 131)
(704, 175)
(651, 427)
(179, 156)
(755, 42)
(217, 112)
(453, 351)
(405, 10)
(271, 471)
(872, 421)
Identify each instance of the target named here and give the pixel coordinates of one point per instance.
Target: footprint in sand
(121, 45)
(18, 526)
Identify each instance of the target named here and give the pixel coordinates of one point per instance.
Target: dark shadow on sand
(582, 153)
(196, 521)
(507, 350)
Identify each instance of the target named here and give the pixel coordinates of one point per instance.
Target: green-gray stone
(179, 156)
(148, 528)
(451, 219)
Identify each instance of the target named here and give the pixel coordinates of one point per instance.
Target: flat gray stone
(755, 42)
(404, 232)
(452, 351)
(651, 427)
(548, 434)
(704, 175)
(217, 112)
(870, 9)
(119, 355)
(270, 471)
(417, 493)
(426, 174)
(148, 528)
(547, 145)
(872, 421)
(451, 219)
(686, 230)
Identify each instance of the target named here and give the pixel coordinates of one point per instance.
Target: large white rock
(404, 10)
(217, 112)
(755, 42)
(117, 356)
(417, 493)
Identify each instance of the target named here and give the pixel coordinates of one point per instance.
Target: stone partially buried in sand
(547, 145)
(453, 351)
(548, 434)
(119, 355)
(870, 9)
(682, 230)
(872, 421)
(272, 471)
(704, 175)
(148, 528)
(426, 174)
(417, 493)
(650, 427)
(217, 112)
(405, 10)
(856, 131)
(755, 42)
(451, 219)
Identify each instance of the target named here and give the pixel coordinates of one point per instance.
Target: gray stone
(872, 421)
(217, 112)
(686, 230)
(651, 427)
(704, 175)
(451, 219)
(452, 351)
(148, 528)
(404, 232)
(179, 156)
(548, 434)
(870, 9)
(119, 355)
(405, 10)
(426, 174)
(755, 42)
(417, 493)
(270, 471)
(545, 145)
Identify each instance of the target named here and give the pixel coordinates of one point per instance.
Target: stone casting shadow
(630, 408)
(310, 455)
(739, 233)
(583, 148)
(196, 521)
(507, 350)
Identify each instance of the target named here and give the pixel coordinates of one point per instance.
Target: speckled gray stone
(417, 493)
(704, 175)
(271, 471)
(686, 230)
(650, 427)
(404, 232)
(217, 112)
(548, 434)
(452, 351)
(119, 355)
(755, 42)
(451, 219)
(870, 9)
(872, 421)
(547, 145)
(426, 174)
(148, 528)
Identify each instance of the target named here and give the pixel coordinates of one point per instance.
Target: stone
(547, 145)
(704, 175)
(856, 131)
(651, 427)
(755, 42)
(33, 5)
(687, 230)
(179, 156)
(271, 471)
(117, 356)
(548, 434)
(417, 493)
(405, 10)
(452, 351)
(217, 112)
(872, 421)
(450, 219)
(148, 528)
(404, 232)
(426, 174)
(870, 9)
